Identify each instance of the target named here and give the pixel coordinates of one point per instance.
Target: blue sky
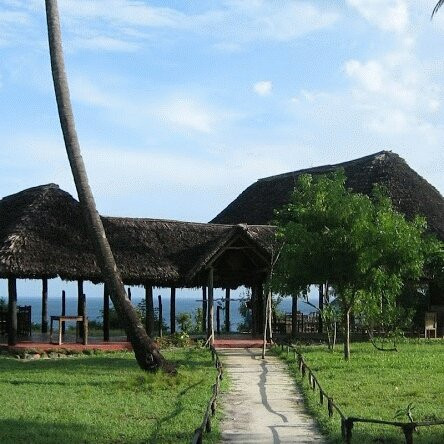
(180, 105)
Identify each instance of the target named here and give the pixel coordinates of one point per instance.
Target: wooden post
(173, 310)
(227, 310)
(260, 318)
(79, 304)
(204, 308)
(105, 313)
(84, 322)
(321, 307)
(44, 305)
(210, 330)
(149, 310)
(218, 319)
(160, 315)
(63, 310)
(253, 310)
(294, 314)
(12, 311)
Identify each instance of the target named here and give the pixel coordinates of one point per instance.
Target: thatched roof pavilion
(42, 236)
(411, 194)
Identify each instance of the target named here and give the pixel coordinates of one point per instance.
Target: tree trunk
(347, 334)
(146, 352)
(294, 315)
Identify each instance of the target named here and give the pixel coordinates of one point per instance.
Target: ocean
(187, 300)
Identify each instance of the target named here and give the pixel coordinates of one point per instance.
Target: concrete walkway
(263, 404)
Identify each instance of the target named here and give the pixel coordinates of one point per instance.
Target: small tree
(360, 245)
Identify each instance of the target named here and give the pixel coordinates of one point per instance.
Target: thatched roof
(410, 193)
(42, 235)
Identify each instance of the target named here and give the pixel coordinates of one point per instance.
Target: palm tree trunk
(146, 352)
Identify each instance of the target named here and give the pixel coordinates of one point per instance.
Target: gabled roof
(410, 193)
(42, 235)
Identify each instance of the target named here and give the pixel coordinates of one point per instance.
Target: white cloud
(388, 15)
(103, 43)
(227, 25)
(177, 111)
(263, 88)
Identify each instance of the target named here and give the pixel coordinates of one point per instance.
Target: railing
(211, 406)
(347, 423)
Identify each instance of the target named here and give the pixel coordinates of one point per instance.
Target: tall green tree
(146, 352)
(360, 245)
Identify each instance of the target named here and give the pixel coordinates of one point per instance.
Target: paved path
(263, 404)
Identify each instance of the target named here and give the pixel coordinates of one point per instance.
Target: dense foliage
(360, 245)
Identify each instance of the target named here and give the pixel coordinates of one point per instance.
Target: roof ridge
(330, 167)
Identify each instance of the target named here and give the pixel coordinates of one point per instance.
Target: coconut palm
(437, 6)
(146, 352)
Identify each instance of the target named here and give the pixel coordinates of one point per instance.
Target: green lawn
(104, 399)
(375, 384)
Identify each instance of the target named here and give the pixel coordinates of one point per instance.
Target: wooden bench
(61, 319)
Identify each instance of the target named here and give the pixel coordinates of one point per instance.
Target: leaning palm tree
(146, 352)
(437, 6)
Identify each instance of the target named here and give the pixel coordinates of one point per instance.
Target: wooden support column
(149, 310)
(160, 315)
(63, 310)
(261, 309)
(227, 310)
(44, 305)
(210, 329)
(218, 319)
(84, 323)
(321, 307)
(253, 310)
(204, 308)
(294, 314)
(80, 306)
(105, 313)
(173, 310)
(12, 311)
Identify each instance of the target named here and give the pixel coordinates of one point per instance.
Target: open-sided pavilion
(42, 236)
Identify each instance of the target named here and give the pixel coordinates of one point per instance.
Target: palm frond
(436, 8)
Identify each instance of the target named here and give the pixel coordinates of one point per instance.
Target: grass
(104, 399)
(375, 384)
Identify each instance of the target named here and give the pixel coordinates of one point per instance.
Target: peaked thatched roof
(410, 193)
(42, 235)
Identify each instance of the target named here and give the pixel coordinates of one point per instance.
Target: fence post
(208, 425)
(408, 433)
(330, 406)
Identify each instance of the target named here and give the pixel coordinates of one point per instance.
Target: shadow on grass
(23, 431)
(178, 408)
